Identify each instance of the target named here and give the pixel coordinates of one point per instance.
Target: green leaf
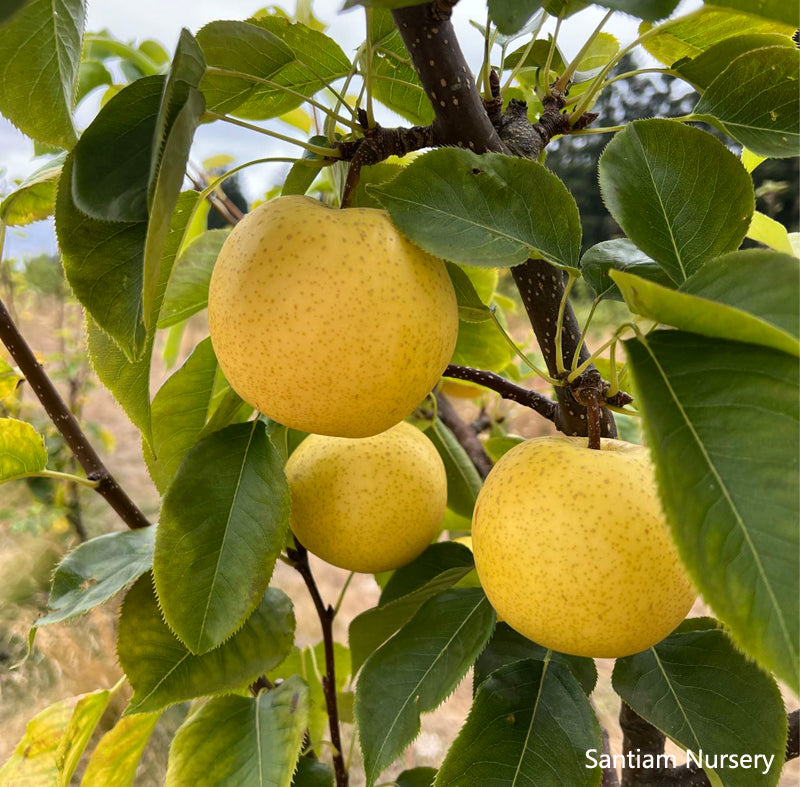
(394, 81)
(309, 664)
(129, 381)
(489, 210)
(689, 36)
(116, 757)
(643, 9)
(680, 210)
(40, 49)
(416, 670)
(103, 259)
(618, 255)
(507, 646)
(438, 568)
(368, 177)
(512, 15)
(756, 98)
(34, 199)
(245, 48)
(237, 741)
(721, 417)
(162, 671)
(463, 481)
(179, 413)
(91, 75)
(22, 450)
(470, 307)
(33, 761)
(10, 379)
(312, 773)
(182, 107)
(304, 172)
(318, 61)
(530, 723)
(498, 446)
(85, 717)
(770, 232)
(96, 570)
(435, 560)
(482, 346)
(747, 296)
(777, 10)
(702, 70)
(187, 291)
(223, 524)
(10, 8)
(416, 777)
(696, 687)
(110, 166)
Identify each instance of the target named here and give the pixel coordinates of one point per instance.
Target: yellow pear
(573, 549)
(370, 504)
(329, 321)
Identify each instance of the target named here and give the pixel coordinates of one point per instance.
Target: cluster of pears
(331, 322)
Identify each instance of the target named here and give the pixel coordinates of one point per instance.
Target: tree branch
(643, 738)
(508, 390)
(461, 119)
(67, 424)
(465, 435)
(299, 557)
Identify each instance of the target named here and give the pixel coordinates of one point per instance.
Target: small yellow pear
(371, 504)
(573, 549)
(329, 321)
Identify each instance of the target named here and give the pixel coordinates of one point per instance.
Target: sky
(163, 20)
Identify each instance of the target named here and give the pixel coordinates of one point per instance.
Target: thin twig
(67, 424)
(508, 390)
(299, 558)
(465, 435)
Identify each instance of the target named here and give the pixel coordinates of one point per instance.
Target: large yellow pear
(371, 504)
(329, 321)
(573, 549)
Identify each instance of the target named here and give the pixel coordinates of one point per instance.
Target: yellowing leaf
(22, 450)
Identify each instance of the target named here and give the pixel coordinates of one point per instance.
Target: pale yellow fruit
(573, 549)
(329, 321)
(367, 505)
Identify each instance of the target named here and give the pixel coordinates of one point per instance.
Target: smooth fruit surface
(329, 321)
(573, 549)
(370, 504)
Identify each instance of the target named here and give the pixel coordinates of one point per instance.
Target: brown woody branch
(643, 738)
(67, 424)
(465, 435)
(326, 614)
(508, 390)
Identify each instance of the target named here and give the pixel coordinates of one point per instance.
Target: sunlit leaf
(22, 449)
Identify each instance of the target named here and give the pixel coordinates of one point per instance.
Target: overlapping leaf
(489, 210)
(722, 419)
(749, 296)
(530, 723)
(40, 49)
(34, 199)
(223, 523)
(700, 690)
(235, 741)
(96, 570)
(162, 671)
(756, 99)
(463, 481)
(619, 255)
(416, 670)
(680, 195)
(116, 757)
(438, 568)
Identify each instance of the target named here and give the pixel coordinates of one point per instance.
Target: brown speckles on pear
(344, 337)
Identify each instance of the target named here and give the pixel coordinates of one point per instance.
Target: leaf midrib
(726, 494)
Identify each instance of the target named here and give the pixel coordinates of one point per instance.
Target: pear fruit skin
(329, 321)
(573, 549)
(371, 504)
